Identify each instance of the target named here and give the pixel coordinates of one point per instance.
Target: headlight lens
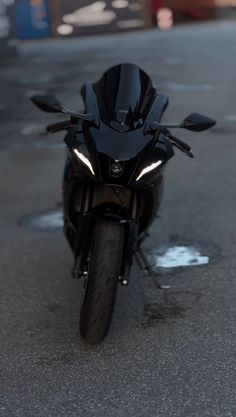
(85, 160)
(149, 168)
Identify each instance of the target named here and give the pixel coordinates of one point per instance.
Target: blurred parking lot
(169, 354)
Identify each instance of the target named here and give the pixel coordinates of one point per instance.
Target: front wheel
(101, 283)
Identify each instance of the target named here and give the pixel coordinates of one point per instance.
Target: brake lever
(57, 127)
(180, 142)
(188, 153)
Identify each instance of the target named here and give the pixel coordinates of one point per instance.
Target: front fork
(132, 248)
(82, 246)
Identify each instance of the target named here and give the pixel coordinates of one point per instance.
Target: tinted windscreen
(125, 94)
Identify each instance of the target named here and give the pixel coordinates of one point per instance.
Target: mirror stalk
(160, 126)
(194, 122)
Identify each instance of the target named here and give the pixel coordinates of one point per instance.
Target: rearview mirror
(49, 104)
(198, 123)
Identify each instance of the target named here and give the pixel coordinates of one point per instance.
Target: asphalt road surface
(168, 353)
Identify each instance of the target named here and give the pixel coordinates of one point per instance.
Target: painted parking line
(180, 256)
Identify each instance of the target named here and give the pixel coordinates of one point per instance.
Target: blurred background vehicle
(30, 19)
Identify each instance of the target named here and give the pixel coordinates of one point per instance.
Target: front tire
(101, 284)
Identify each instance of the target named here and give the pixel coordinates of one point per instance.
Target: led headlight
(85, 160)
(148, 169)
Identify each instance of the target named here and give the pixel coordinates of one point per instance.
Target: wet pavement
(169, 354)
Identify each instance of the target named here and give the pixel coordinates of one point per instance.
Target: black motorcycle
(113, 182)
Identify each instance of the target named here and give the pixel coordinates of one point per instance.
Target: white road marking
(230, 118)
(180, 256)
(48, 220)
(30, 93)
(189, 87)
(32, 129)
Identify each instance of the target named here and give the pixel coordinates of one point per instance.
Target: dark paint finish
(117, 155)
(117, 145)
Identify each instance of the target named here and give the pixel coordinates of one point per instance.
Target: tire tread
(98, 305)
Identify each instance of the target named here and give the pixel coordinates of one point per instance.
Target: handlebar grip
(58, 126)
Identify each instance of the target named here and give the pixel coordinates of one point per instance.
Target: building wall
(185, 9)
(180, 5)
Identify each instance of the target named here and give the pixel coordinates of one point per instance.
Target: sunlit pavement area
(168, 353)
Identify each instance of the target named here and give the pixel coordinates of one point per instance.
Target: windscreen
(125, 95)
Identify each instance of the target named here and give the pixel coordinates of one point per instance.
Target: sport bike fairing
(118, 146)
(125, 95)
(122, 102)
